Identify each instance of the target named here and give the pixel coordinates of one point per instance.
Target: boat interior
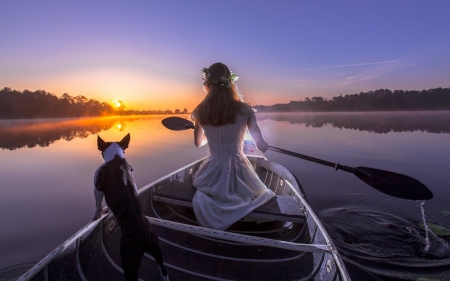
(281, 240)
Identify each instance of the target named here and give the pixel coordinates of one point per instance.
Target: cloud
(351, 80)
(350, 65)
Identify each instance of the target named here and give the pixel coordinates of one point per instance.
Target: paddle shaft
(189, 125)
(336, 166)
(394, 184)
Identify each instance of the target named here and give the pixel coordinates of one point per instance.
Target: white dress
(227, 186)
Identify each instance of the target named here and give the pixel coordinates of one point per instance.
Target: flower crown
(207, 78)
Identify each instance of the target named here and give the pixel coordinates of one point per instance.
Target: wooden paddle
(394, 184)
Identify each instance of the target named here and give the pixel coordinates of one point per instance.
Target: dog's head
(110, 149)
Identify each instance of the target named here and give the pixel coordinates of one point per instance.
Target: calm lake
(47, 169)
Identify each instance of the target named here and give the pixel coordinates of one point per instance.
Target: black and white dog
(114, 180)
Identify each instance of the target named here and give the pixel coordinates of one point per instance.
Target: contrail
(347, 65)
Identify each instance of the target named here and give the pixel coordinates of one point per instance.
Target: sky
(149, 54)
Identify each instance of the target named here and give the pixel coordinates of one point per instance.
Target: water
(47, 168)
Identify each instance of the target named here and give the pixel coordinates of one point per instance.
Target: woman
(227, 186)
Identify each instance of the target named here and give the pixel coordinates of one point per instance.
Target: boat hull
(251, 249)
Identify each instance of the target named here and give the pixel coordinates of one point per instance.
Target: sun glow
(117, 103)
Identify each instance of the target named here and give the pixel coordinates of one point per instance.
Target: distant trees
(184, 111)
(41, 104)
(378, 100)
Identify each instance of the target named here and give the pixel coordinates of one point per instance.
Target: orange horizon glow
(140, 90)
(152, 99)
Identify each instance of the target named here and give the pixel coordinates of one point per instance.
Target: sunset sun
(117, 103)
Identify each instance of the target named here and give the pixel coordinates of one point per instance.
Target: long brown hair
(221, 104)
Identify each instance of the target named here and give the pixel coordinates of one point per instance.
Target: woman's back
(229, 133)
(233, 135)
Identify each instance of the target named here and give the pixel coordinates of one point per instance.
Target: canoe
(282, 240)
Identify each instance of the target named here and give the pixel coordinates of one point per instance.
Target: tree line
(379, 100)
(41, 104)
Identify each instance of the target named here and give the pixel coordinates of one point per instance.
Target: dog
(114, 181)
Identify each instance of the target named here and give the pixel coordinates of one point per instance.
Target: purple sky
(149, 53)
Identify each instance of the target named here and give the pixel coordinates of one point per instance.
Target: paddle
(394, 184)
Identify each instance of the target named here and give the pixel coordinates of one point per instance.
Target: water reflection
(377, 122)
(16, 134)
(46, 193)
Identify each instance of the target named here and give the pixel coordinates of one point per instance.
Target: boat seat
(280, 207)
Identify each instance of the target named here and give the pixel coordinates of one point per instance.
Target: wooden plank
(280, 207)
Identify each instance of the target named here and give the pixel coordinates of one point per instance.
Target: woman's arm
(255, 132)
(199, 136)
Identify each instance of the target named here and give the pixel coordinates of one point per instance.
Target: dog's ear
(125, 141)
(100, 143)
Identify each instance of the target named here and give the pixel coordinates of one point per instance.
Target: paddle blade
(177, 123)
(394, 184)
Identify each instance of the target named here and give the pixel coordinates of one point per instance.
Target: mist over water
(47, 169)
(376, 122)
(15, 134)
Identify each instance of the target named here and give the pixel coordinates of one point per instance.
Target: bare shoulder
(247, 109)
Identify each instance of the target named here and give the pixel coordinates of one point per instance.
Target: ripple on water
(14, 271)
(385, 236)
